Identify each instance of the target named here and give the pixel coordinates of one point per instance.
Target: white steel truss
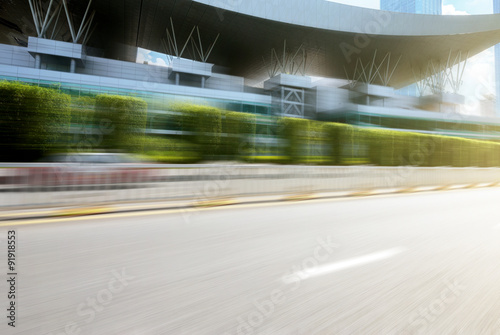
(198, 52)
(439, 77)
(83, 33)
(44, 14)
(373, 72)
(295, 63)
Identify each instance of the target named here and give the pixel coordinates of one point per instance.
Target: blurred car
(92, 158)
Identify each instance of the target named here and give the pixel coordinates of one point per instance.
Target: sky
(450, 7)
(152, 57)
(478, 77)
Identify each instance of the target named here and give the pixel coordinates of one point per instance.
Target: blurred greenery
(348, 145)
(82, 111)
(215, 132)
(126, 117)
(33, 121)
(239, 129)
(203, 125)
(297, 136)
(166, 150)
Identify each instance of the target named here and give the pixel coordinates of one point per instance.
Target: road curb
(108, 209)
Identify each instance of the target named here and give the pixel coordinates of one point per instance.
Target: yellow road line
(203, 209)
(186, 210)
(57, 212)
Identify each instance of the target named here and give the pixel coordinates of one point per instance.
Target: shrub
(205, 125)
(239, 129)
(314, 142)
(296, 134)
(342, 144)
(127, 119)
(82, 120)
(33, 121)
(166, 150)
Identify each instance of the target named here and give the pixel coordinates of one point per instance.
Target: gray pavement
(423, 263)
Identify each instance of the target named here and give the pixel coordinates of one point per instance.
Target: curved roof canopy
(339, 40)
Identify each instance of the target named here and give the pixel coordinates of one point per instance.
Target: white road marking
(349, 263)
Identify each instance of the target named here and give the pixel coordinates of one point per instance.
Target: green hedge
(239, 129)
(296, 134)
(166, 150)
(349, 145)
(204, 123)
(82, 121)
(82, 111)
(126, 118)
(216, 133)
(314, 142)
(33, 121)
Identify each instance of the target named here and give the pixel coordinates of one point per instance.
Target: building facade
(433, 7)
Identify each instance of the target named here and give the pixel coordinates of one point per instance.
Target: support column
(202, 82)
(177, 79)
(72, 67)
(38, 61)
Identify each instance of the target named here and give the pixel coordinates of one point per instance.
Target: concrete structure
(251, 56)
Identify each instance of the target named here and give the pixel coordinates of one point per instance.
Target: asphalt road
(425, 263)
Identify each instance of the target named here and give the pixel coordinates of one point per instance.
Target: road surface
(424, 263)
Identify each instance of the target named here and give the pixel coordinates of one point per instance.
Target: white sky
(375, 4)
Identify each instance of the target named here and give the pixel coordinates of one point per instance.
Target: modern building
(433, 7)
(256, 56)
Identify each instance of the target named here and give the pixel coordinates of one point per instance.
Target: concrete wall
(330, 98)
(16, 56)
(124, 70)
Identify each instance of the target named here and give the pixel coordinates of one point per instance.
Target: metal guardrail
(51, 185)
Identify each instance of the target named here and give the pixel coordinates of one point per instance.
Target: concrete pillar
(72, 67)
(38, 61)
(202, 82)
(177, 79)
